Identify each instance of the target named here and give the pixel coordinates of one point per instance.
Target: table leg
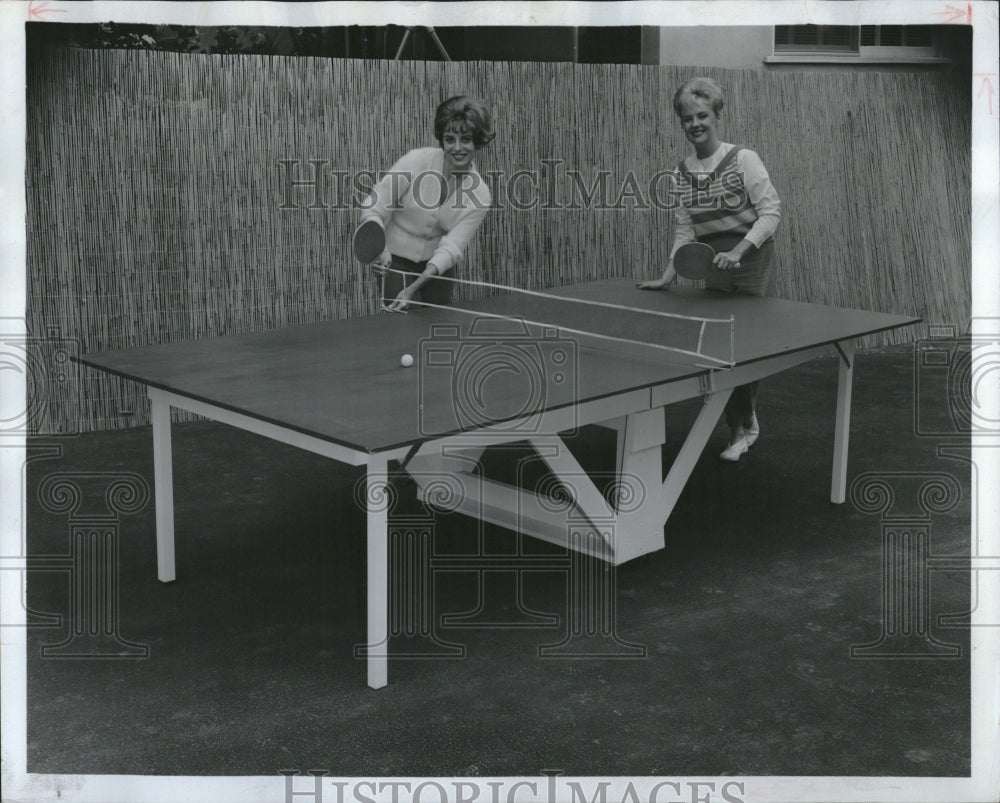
(163, 478)
(377, 500)
(842, 431)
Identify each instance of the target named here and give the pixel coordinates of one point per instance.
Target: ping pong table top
(341, 381)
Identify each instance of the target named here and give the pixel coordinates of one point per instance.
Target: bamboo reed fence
(159, 204)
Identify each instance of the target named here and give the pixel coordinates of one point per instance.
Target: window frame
(855, 52)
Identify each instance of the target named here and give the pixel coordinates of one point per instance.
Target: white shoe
(735, 450)
(752, 433)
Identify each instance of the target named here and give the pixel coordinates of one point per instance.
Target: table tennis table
(493, 371)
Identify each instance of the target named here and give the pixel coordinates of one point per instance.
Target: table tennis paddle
(694, 260)
(369, 241)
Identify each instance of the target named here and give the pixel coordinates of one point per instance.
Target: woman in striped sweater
(726, 199)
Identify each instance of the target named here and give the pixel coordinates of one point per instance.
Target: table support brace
(693, 446)
(842, 432)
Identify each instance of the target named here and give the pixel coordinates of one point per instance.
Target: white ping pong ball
(407, 360)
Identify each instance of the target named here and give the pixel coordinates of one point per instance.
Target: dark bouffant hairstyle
(468, 112)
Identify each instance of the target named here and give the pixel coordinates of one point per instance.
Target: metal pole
(406, 37)
(437, 41)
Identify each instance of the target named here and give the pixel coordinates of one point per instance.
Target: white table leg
(377, 500)
(842, 431)
(163, 478)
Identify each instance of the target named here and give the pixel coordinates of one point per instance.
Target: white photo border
(20, 785)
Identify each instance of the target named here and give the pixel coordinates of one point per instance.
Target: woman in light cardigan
(431, 203)
(726, 200)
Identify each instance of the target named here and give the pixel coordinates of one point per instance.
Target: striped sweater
(727, 193)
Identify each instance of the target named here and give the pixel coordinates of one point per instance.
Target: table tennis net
(632, 332)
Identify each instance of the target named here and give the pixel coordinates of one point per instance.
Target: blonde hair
(703, 89)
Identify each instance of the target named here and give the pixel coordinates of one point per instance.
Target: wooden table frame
(636, 415)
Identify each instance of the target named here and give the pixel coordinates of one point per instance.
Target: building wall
(739, 48)
(752, 48)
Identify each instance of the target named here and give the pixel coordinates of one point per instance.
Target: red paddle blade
(694, 260)
(369, 241)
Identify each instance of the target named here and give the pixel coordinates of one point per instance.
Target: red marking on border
(36, 10)
(986, 86)
(957, 14)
